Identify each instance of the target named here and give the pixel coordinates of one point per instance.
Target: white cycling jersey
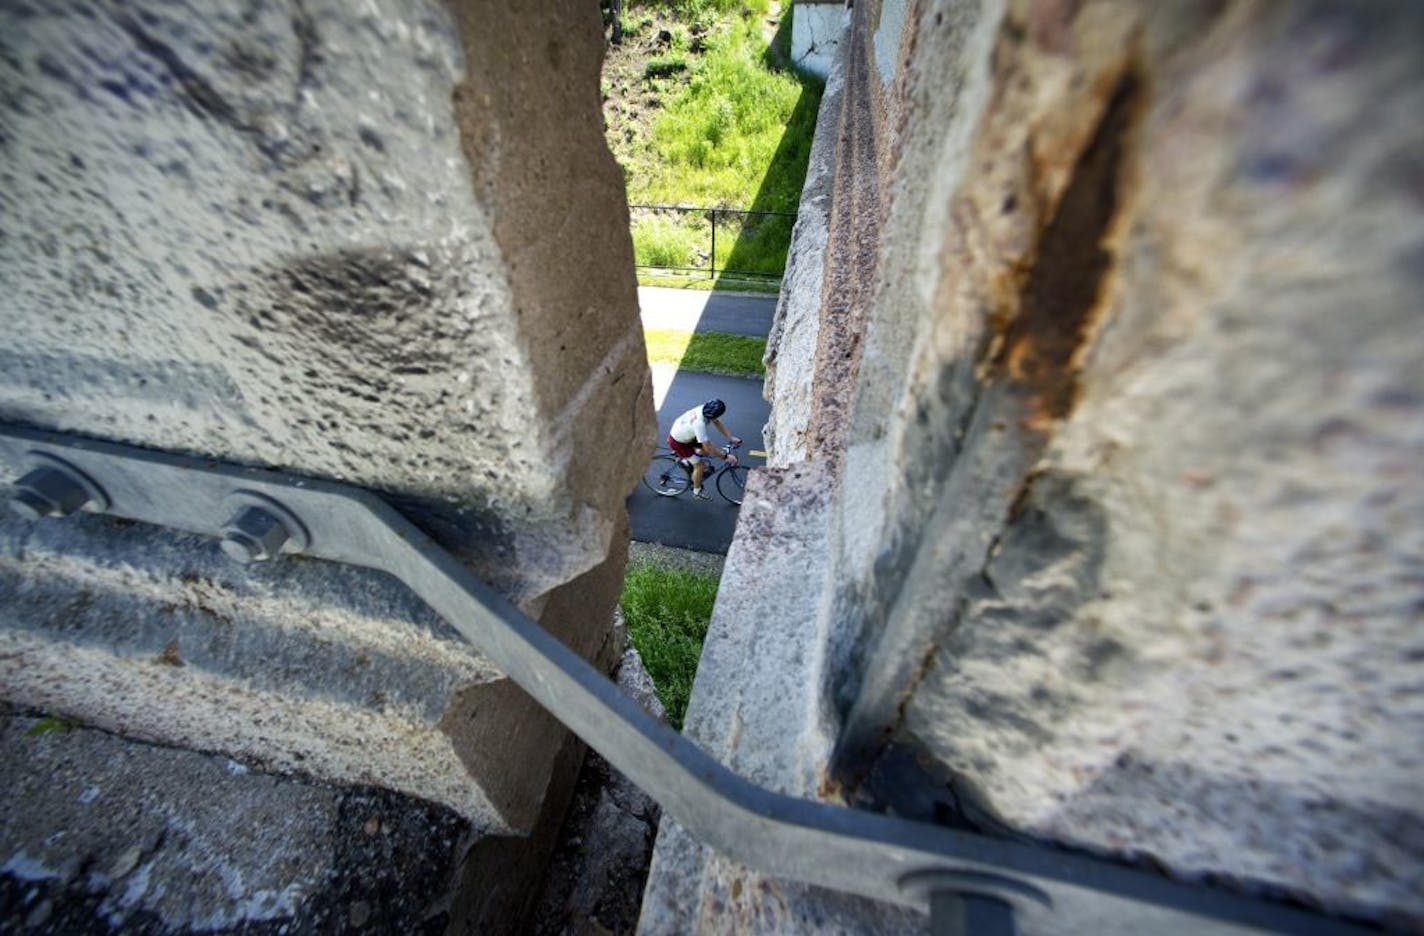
(690, 427)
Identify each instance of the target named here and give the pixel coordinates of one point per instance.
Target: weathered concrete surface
(796, 325)
(759, 707)
(258, 234)
(123, 837)
(816, 31)
(1174, 557)
(96, 625)
(1124, 521)
(381, 244)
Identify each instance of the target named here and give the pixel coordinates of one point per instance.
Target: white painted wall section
(816, 31)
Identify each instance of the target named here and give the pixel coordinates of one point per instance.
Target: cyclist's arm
(723, 429)
(715, 452)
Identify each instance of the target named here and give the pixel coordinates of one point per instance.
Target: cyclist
(689, 440)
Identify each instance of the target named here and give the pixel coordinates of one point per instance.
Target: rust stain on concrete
(1058, 295)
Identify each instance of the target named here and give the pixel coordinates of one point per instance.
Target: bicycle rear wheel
(731, 482)
(665, 477)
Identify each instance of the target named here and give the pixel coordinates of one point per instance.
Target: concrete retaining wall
(383, 245)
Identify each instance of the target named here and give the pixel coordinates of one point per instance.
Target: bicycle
(667, 476)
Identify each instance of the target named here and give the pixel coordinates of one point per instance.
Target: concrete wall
(383, 245)
(816, 31)
(1111, 438)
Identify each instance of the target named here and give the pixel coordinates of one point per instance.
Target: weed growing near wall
(719, 138)
(664, 242)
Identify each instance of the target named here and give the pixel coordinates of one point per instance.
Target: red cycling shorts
(684, 449)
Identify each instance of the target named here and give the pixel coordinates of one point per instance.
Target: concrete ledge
(759, 704)
(796, 325)
(302, 665)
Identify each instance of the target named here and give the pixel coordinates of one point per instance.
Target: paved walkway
(683, 522)
(701, 311)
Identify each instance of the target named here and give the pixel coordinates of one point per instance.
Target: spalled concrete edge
(759, 705)
(307, 236)
(1123, 628)
(297, 258)
(795, 327)
(760, 702)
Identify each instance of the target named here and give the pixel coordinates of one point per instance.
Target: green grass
(667, 612)
(708, 352)
(699, 8)
(665, 66)
(718, 140)
(705, 283)
(732, 129)
(661, 241)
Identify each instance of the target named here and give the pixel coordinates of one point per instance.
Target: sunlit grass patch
(708, 352)
(661, 241)
(719, 139)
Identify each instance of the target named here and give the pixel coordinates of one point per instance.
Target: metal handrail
(954, 875)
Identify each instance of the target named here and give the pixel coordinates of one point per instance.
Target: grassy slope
(699, 112)
(667, 612)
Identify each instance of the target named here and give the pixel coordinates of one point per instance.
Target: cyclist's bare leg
(699, 467)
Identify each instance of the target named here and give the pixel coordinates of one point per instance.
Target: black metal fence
(713, 242)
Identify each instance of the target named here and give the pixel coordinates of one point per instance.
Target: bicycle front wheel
(731, 482)
(665, 477)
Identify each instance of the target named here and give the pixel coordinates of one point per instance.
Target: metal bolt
(48, 492)
(254, 534)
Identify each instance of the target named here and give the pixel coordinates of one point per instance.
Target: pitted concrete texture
(1146, 579)
(796, 325)
(1123, 521)
(296, 666)
(123, 837)
(758, 705)
(384, 244)
(265, 233)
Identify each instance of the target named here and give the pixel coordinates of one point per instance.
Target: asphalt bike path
(684, 521)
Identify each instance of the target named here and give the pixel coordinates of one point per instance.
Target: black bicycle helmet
(713, 409)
